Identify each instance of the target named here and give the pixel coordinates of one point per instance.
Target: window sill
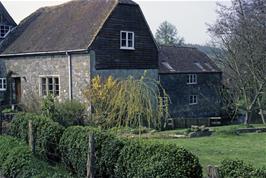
(127, 48)
(192, 83)
(2, 89)
(192, 104)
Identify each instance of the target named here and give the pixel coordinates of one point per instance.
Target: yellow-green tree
(127, 103)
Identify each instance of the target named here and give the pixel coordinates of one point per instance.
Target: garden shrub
(16, 160)
(47, 134)
(74, 150)
(66, 113)
(139, 159)
(237, 168)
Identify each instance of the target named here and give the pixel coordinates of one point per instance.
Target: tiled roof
(70, 26)
(184, 60)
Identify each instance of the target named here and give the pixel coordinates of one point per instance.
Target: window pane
(50, 85)
(130, 36)
(124, 36)
(43, 81)
(4, 83)
(124, 43)
(130, 44)
(1, 83)
(44, 92)
(56, 81)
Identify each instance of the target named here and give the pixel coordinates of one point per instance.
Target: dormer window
(127, 40)
(4, 30)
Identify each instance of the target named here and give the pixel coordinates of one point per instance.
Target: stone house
(7, 24)
(59, 49)
(192, 82)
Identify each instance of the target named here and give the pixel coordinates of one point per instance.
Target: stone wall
(31, 68)
(80, 75)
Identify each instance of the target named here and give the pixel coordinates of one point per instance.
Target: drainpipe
(70, 89)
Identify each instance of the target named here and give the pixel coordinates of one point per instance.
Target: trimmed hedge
(237, 168)
(139, 159)
(74, 150)
(117, 158)
(47, 134)
(16, 160)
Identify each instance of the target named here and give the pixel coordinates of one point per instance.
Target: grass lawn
(222, 145)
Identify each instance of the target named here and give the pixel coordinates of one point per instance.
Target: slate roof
(70, 26)
(184, 60)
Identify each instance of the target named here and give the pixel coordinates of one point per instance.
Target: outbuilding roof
(174, 59)
(70, 26)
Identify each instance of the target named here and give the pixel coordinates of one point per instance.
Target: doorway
(16, 90)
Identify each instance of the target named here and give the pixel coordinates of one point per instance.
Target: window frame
(46, 77)
(194, 99)
(127, 47)
(3, 82)
(192, 79)
(9, 29)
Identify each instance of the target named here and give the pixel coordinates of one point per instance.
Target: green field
(223, 144)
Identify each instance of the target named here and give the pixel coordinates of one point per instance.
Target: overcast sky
(190, 17)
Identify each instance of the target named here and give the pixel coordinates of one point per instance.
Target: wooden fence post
(212, 171)
(31, 137)
(1, 125)
(91, 158)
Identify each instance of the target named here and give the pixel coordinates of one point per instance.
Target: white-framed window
(49, 85)
(3, 84)
(193, 99)
(127, 40)
(4, 30)
(192, 79)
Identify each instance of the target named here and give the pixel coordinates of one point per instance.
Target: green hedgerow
(74, 150)
(46, 132)
(139, 159)
(234, 168)
(17, 161)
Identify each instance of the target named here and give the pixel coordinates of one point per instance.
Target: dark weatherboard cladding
(125, 17)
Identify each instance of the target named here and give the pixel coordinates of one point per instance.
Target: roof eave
(62, 52)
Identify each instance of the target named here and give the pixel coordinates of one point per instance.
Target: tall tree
(240, 32)
(167, 34)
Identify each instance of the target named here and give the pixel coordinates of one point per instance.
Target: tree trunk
(262, 116)
(247, 117)
(261, 112)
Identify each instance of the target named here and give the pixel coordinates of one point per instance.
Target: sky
(189, 16)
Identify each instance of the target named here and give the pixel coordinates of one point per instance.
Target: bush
(70, 113)
(138, 159)
(17, 161)
(46, 133)
(237, 168)
(66, 113)
(74, 150)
